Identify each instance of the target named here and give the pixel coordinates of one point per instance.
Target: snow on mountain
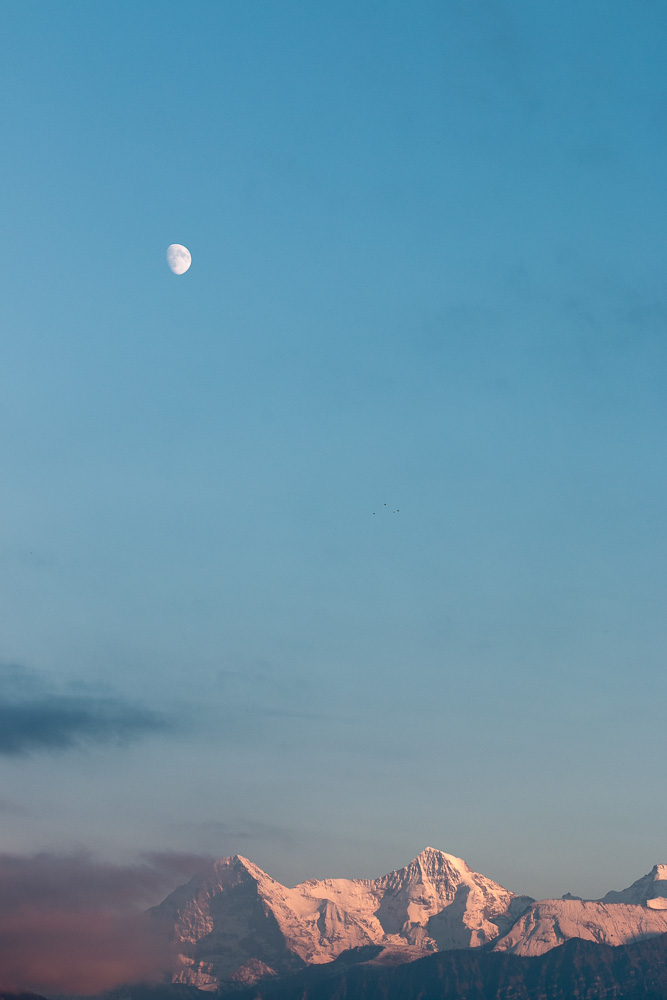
(649, 890)
(436, 902)
(221, 924)
(551, 922)
(236, 922)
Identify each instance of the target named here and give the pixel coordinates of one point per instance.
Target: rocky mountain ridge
(551, 922)
(234, 923)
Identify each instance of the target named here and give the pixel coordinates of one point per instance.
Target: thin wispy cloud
(222, 835)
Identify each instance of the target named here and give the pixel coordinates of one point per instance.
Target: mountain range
(233, 925)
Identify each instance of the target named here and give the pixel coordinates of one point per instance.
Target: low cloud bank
(74, 925)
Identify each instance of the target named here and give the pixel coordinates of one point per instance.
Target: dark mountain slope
(579, 970)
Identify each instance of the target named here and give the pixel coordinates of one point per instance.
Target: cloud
(35, 718)
(71, 924)
(84, 952)
(59, 723)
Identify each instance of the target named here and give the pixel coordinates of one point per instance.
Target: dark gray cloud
(35, 718)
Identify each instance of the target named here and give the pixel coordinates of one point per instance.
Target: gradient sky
(351, 539)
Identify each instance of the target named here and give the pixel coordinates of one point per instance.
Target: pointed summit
(238, 863)
(221, 925)
(438, 902)
(649, 890)
(431, 852)
(433, 862)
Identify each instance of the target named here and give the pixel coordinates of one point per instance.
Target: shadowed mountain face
(221, 925)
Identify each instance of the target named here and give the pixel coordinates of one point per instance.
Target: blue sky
(351, 539)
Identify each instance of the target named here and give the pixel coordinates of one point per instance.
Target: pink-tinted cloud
(83, 952)
(73, 925)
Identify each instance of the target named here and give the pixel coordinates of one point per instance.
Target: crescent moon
(178, 258)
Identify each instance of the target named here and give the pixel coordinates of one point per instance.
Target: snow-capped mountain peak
(639, 911)
(551, 922)
(437, 865)
(431, 855)
(645, 891)
(235, 919)
(236, 922)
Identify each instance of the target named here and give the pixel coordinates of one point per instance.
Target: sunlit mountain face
(234, 923)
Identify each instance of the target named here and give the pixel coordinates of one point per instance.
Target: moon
(178, 258)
